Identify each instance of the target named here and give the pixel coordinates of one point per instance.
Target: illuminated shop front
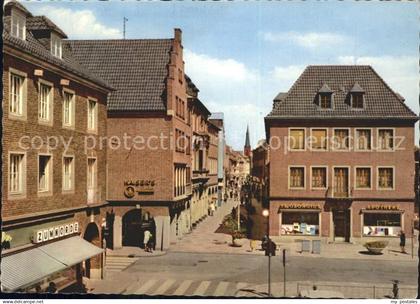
(382, 221)
(300, 219)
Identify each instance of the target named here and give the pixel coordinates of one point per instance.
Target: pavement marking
(182, 288)
(202, 288)
(164, 287)
(145, 287)
(221, 289)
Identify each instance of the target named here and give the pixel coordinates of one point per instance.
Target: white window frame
(393, 178)
(23, 94)
(21, 193)
(72, 110)
(20, 19)
(95, 173)
(50, 102)
(326, 138)
(326, 177)
(350, 141)
(72, 173)
(49, 176)
(393, 140)
(355, 177)
(56, 45)
(95, 116)
(289, 142)
(348, 179)
(288, 177)
(356, 140)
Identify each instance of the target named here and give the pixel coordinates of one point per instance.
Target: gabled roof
(35, 47)
(357, 88)
(325, 89)
(381, 102)
(37, 23)
(137, 69)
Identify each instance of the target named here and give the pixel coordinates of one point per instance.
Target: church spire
(247, 147)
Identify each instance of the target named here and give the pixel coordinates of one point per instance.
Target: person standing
(212, 208)
(146, 239)
(402, 241)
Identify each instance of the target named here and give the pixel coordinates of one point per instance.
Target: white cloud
(307, 40)
(80, 24)
(285, 76)
(399, 72)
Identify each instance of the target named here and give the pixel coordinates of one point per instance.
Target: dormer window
(18, 24)
(357, 97)
(325, 97)
(56, 45)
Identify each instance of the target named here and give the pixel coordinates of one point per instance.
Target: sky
(241, 54)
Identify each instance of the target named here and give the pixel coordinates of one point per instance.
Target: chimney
(178, 35)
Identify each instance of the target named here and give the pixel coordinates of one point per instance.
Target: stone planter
(237, 243)
(374, 250)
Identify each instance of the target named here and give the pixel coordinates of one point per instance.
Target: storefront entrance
(131, 228)
(341, 221)
(93, 264)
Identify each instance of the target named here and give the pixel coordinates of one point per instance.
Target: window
(91, 173)
(18, 29)
(45, 95)
(56, 45)
(386, 139)
(16, 94)
(68, 170)
(68, 109)
(92, 115)
(386, 178)
(357, 100)
(297, 139)
(319, 177)
(341, 139)
(180, 183)
(319, 139)
(300, 223)
(297, 177)
(188, 147)
(44, 173)
(325, 101)
(363, 178)
(381, 224)
(363, 139)
(16, 173)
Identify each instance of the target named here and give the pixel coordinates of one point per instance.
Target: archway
(132, 234)
(93, 264)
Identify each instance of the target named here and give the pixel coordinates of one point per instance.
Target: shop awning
(28, 267)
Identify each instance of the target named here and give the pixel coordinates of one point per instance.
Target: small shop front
(299, 219)
(53, 257)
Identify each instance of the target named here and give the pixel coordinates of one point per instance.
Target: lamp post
(266, 214)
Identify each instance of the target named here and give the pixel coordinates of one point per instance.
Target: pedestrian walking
(212, 208)
(402, 241)
(52, 288)
(151, 243)
(146, 238)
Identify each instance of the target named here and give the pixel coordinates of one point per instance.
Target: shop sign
(140, 186)
(383, 207)
(55, 232)
(300, 206)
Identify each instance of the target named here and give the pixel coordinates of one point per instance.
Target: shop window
(381, 224)
(341, 139)
(300, 223)
(297, 139)
(319, 139)
(386, 139)
(319, 177)
(363, 139)
(385, 178)
(363, 178)
(297, 177)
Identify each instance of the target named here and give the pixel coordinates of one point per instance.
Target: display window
(381, 224)
(300, 223)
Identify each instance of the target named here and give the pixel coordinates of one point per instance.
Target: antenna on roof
(124, 21)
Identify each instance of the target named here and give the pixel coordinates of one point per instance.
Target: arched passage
(92, 265)
(131, 228)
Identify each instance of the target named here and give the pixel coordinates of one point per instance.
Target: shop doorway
(92, 236)
(341, 221)
(131, 228)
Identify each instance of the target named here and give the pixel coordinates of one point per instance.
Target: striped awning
(28, 267)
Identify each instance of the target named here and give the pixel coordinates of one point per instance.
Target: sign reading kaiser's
(140, 186)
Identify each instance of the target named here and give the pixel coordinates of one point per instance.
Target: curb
(162, 253)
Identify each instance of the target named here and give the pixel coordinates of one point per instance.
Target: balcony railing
(93, 196)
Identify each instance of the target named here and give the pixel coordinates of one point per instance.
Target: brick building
(52, 198)
(260, 167)
(346, 169)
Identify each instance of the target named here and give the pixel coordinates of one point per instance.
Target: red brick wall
(14, 129)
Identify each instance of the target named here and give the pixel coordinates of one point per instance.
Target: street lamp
(266, 214)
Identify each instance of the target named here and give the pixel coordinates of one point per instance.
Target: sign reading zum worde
(55, 232)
